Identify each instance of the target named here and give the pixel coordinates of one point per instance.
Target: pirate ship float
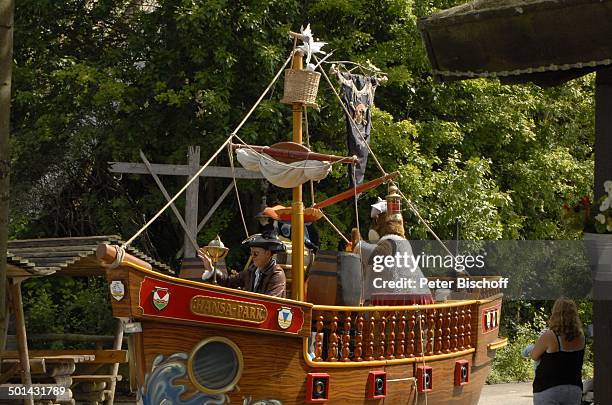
(198, 343)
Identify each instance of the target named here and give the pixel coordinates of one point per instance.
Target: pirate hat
(266, 240)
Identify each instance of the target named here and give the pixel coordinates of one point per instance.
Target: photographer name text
(437, 283)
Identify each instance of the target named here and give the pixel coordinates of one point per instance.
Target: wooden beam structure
(94, 356)
(297, 214)
(115, 367)
(73, 257)
(210, 213)
(6, 62)
(22, 343)
(191, 195)
(190, 222)
(354, 191)
(602, 306)
(292, 152)
(188, 232)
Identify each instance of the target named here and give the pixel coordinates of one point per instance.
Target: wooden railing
(383, 333)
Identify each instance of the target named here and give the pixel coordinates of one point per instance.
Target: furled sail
(285, 175)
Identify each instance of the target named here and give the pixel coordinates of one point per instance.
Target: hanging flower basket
(301, 86)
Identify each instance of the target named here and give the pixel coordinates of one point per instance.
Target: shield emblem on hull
(117, 289)
(285, 316)
(161, 297)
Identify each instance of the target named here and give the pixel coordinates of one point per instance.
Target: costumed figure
(263, 276)
(270, 221)
(391, 276)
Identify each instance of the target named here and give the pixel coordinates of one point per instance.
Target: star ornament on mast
(310, 46)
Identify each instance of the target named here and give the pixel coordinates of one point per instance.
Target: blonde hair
(564, 319)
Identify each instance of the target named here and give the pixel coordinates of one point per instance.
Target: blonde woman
(560, 350)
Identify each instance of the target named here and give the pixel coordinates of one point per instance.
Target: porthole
(215, 365)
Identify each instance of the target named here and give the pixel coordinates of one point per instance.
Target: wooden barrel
(192, 268)
(322, 282)
(335, 279)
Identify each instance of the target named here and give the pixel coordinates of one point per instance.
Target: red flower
(585, 201)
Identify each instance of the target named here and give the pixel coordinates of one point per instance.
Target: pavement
(507, 394)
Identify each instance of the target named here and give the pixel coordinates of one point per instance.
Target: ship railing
(391, 334)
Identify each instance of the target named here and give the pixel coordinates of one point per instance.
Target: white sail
(285, 175)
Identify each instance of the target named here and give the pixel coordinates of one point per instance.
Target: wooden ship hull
(197, 343)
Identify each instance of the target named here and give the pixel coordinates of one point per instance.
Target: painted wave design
(160, 388)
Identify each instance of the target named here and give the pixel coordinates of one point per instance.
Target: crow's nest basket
(301, 86)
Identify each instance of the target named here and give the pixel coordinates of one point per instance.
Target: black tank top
(560, 368)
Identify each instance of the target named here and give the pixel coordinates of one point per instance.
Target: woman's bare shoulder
(549, 339)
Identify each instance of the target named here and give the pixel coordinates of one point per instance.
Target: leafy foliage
(509, 365)
(67, 305)
(98, 81)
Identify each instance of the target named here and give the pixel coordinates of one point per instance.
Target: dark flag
(357, 93)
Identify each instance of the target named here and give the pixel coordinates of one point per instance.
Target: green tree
(96, 81)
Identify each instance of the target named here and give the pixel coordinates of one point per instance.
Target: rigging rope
(414, 210)
(334, 227)
(246, 117)
(422, 349)
(410, 204)
(348, 114)
(231, 159)
(312, 195)
(234, 132)
(141, 230)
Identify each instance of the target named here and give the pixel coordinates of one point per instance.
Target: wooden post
(115, 370)
(210, 213)
(191, 205)
(602, 309)
(22, 342)
(6, 62)
(189, 236)
(297, 214)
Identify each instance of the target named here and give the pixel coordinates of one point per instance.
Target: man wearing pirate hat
(263, 276)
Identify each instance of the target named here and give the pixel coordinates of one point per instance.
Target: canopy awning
(75, 256)
(544, 41)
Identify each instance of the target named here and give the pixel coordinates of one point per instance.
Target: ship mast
(297, 213)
